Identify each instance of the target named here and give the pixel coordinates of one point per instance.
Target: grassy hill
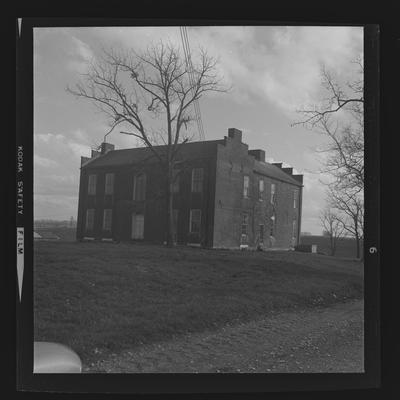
(103, 297)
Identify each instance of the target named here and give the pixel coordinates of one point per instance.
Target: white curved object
(52, 358)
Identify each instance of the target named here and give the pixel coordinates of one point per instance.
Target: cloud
(44, 162)
(81, 54)
(274, 63)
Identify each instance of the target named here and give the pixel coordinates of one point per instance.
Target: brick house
(225, 196)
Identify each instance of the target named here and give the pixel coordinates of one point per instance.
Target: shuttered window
(175, 214)
(246, 186)
(109, 184)
(273, 224)
(273, 194)
(295, 196)
(244, 228)
(245, 223)
(197, 180)
(107, 219)
(260, 188)
(195, 221)
(261, 227)
(92, 184)
(89, 219)
(294, 228)
(175, 218)
(139, 187)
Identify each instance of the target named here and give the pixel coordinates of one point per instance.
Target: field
(100, 298)
(346, 247)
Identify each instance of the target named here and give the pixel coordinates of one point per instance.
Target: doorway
(137, 226)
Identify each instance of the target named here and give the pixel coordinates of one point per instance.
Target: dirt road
(318, 340)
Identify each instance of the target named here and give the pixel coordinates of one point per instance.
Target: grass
(346, 247)
(102, 297)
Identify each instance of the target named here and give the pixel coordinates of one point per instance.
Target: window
(107, 218)
(260, 188)
(90, 219)
(295, 195)
(175, 183)
(273, 196)
(92, 184)
(195, 221)
(139, 187)
(246, 186)
(109, 185)
(245, 223)
(261, 229)
(197, 180)
(294, 228)
(175, 219)
(272, 222)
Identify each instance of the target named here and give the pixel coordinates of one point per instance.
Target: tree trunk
(358, 246)
(170, 214)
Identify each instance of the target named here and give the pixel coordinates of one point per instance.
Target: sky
(273, 71)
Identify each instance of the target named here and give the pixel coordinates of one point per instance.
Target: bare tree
(349, 205)
(348, 97)
(344, 160)
(149, 95)
(333, 227)
(340, 117)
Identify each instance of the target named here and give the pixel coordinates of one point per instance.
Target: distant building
(306, 234)
(225, 196)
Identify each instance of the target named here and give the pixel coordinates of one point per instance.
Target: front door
(137, 226)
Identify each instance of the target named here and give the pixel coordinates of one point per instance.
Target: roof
(142, 154)
(273, 171)
(136, 155)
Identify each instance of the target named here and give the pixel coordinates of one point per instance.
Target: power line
(196, 102)
(190, 70)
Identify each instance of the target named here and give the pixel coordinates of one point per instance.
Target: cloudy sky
(273, 72)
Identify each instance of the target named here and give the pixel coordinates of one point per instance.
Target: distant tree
(349, 206)
(333, 227)
(340, 117)
(149, 95)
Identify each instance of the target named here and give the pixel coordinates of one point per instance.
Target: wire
(196, 102)
(186, 49)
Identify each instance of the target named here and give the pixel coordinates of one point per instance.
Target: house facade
(225, 196)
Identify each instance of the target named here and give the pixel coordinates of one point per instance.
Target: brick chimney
(94, 154)
(235, 134)
(258, 154)
(299, 178)
(84, 159)
(277, 164)
(106, 147)
(289, 171)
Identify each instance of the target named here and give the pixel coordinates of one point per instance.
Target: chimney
(277, 164)
(235, 134)
(106, 147)
(299, 178)
(258, 154)
(84, 159)
(288, 170)
(95, 153)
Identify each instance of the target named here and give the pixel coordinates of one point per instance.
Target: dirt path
(319, 340)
